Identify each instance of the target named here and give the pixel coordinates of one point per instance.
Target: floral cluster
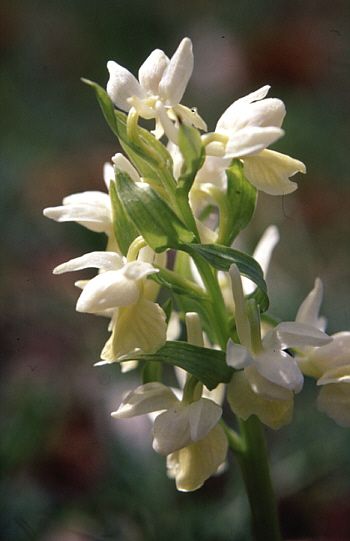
(190, 198)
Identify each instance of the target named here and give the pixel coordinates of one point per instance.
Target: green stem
(217, 305)
(254, 464)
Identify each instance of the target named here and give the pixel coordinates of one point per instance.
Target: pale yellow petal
(244, 402)
(269, 171)
(194, 464)
(140, 326)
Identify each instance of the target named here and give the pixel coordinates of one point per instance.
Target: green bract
(207, 365)
(152, 216)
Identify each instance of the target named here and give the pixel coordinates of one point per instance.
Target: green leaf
(207, 365)
(241, 201)
(155, 220)
(106, 105)
(222, 257)
(124, 229)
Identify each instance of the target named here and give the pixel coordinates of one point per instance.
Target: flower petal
(245, 402)
(139, 326)
(193, 465)
(171, 430)
(269, 171)
(108, 290)
(151, 71)
(91, 209)
(336, 353)
(338, 374)
(147, 398)
(334, 400)
(122, 85)
(238, 356)
(262, 254)
(309, 309)
(264, 113)
(280, 368)
(292, 334)
(203, 415)
(250, 141)
(177, 74)
(98, 260)
(120, 162)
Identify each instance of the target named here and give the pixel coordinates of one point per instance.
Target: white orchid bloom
(92, 209)
(333, 361)
(159, 90)
(244, 131)
(270, 376)
(137, 323)
(328, 364)
(188, 433)
(115, 287)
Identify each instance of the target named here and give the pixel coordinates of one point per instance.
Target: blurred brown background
(68, 471)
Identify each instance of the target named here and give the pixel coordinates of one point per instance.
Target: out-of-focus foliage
(68, 471)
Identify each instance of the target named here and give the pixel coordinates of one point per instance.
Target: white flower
(188, 433)
(116, 287)
(246, 129)
(159, 90)
(92, 209)
(137, 323)
(328, 364)
(270, 375)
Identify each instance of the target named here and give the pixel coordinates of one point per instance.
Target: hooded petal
(171, 430)
(109, 289)
(177, 74)
(250, 141)
(122, 85)
(264, 113)
(151, 71)
(203, 415)
(147, 398)
(193, 465)
(280, 368)
(269, 171)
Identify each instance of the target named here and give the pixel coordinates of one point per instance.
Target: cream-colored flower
(270, 375)
(159, 90)
(188, 433)
(137, 323)
(244, 131)
(92, 209)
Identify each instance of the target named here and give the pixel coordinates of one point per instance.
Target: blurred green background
(68, 471)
